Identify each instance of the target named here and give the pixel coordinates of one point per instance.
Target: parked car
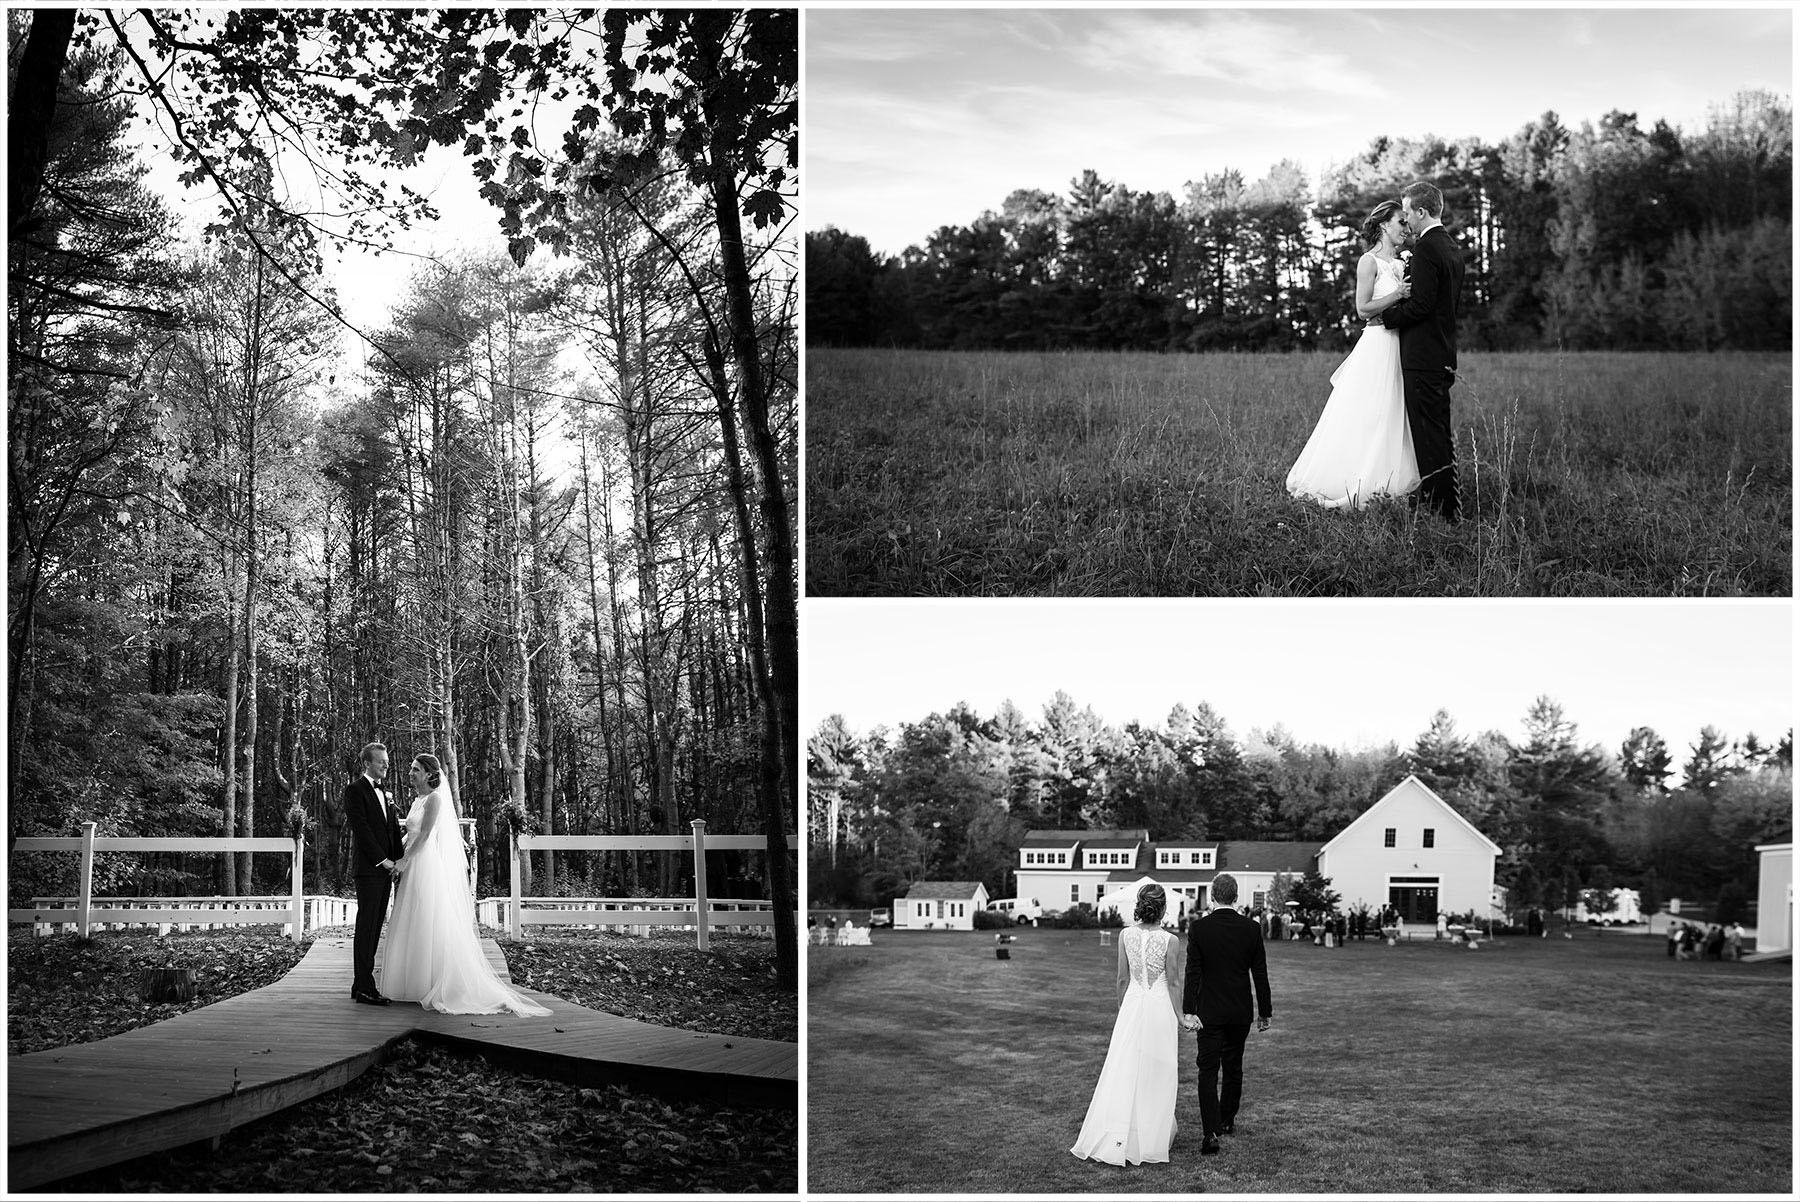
(881, 918)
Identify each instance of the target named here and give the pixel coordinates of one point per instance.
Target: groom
(1426, 322)
(375, 854)
(1225, 955)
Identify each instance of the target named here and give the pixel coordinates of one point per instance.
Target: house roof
(943, 890)
(1444, 805)
(1125, 844)
(1164, 876)
(1249, 855)
(1062, 838)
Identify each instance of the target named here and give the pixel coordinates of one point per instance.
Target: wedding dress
(1131, 1119)
(1362, 446)
(431, 954)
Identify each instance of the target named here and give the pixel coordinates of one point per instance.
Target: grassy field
(1525, 1066)
(1164, 475)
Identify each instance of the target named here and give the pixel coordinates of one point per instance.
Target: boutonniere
(1406, 258)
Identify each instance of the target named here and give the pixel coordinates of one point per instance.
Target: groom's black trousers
(1221, 1047)
(1428, 414)
(371, 910)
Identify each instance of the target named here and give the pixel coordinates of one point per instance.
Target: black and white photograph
(402, 601)
(1307, 302)
(1229, 898)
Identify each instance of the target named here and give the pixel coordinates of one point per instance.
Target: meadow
(991, 473)
(1524, 1066)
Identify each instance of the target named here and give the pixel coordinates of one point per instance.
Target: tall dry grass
(934, 473)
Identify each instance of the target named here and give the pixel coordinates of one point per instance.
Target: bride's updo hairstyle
(1151, 903)
(433, 770)
(1378, 217)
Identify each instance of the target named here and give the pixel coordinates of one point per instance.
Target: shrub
(1077, 918)
(992, 920)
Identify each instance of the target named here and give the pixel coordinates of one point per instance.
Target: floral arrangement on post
(298, 823)
(519, 820)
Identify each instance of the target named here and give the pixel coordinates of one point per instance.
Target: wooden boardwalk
(200, 1074)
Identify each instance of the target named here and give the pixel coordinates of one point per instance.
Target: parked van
(1019, 910)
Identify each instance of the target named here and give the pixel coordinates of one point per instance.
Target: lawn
(1525, 1066)
(987, 473)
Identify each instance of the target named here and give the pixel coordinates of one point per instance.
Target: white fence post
(700, 903)
(515, 924)
(85, 903)
(299, 900)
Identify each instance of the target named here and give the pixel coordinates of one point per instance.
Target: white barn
(940, 906)
(1413, 851)
(1775, 897)
(1410, 849)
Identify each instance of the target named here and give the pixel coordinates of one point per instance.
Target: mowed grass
(1524, 1066)
(987, 473)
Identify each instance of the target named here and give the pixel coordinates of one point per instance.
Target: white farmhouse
(1413, 851)
(1775, 897)
(940, 906)
(1410, 849)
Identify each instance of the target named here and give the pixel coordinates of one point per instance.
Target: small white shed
(940, 906)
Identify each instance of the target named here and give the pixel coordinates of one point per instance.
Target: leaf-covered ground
(60, 992)
(431, 1121)
(664, 979)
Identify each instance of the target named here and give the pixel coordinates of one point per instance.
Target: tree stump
(166, 984)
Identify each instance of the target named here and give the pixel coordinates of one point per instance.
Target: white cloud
(1249, 50)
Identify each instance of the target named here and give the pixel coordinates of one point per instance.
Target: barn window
(1388, 839)
(1430, 837)
(1074, 893)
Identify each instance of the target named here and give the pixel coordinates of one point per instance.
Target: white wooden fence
(699, 912)
(82, 912)
(55, 914)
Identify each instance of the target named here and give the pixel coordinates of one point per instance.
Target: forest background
(540, 523)
(1620, 235)
(951, 796)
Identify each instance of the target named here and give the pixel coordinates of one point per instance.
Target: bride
(432, 955)
(1131, 1119)
(1362, 446)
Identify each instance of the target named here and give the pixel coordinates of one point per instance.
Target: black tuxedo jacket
(375, 836)
(1225, 955)
(1426, 320)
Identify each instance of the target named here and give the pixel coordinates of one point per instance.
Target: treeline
(951, 797)
(542, 529)
(1610, 237)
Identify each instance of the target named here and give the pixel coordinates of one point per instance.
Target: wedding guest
(1734, 942)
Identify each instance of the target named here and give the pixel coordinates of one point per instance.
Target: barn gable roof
(1416, 784)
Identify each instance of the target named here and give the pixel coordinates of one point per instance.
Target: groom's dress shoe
(370, 998)
(1228, 1129)
(1209, 1146)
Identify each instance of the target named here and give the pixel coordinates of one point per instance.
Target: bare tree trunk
(31, 108)
(772, 631)
(229, 886)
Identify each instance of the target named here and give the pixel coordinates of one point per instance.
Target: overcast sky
(918, 118)
(1344, 673)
